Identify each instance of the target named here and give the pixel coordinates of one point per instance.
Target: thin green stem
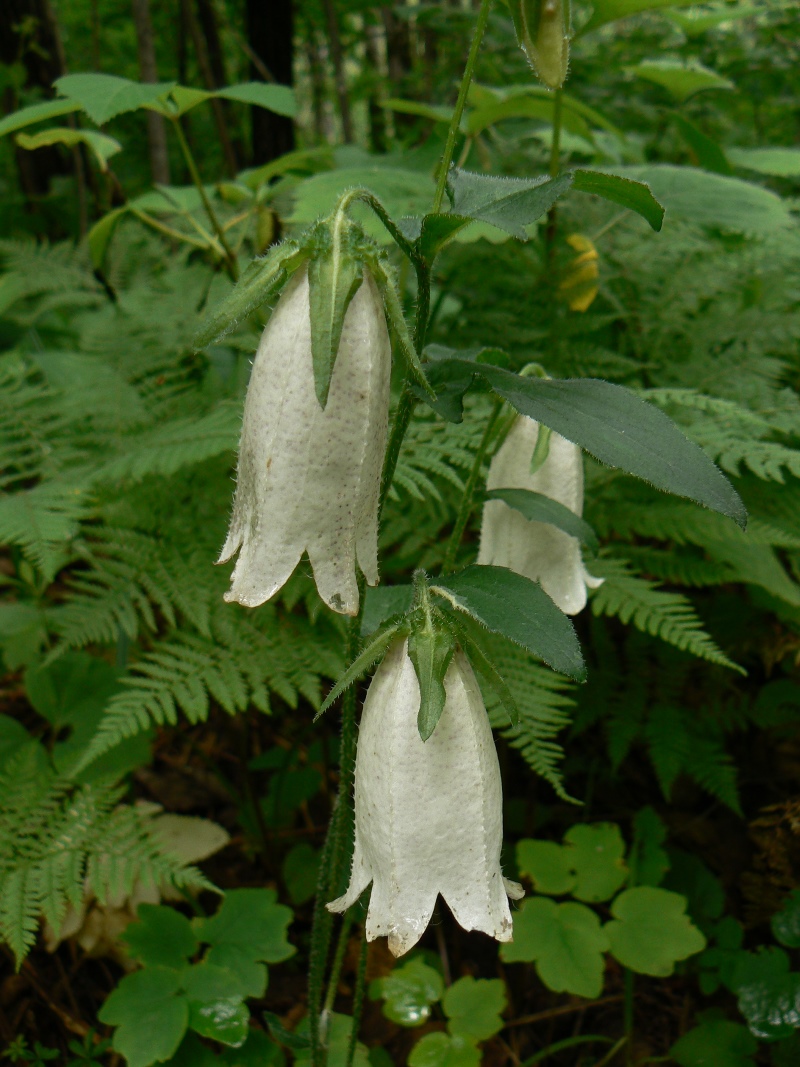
(230, 259)
(555, 145)
(468, 499)
(358, 999)
(338, 960)
(458, 111)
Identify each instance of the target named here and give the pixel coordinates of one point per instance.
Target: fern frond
(544, 705)
(677, 746)
(239, 663)
(668, 616)
(434, 454)
(71, 833)
(42, 521)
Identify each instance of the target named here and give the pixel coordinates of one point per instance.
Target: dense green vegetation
(173, 817)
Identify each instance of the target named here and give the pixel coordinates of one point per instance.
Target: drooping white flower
(428, 813)
(537, 550)
(309, 478)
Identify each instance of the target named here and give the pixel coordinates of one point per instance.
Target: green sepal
(259, 282)
(333, 280)
(484, 666)
(542, 449)
(430, 649)
(394, 628)
(384, 279)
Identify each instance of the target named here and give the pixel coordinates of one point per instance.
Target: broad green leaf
(548, 865)
(707, 153)
(635, 196)
(597, 852)
(225, 1020)
(474, 1007)
(300, 870)
(713, 200)
(718, 1042)
(540, 508)
(681, 79)
(102, 146)
(13, 738)
(786, 922)
(444, 1050)
(103, 96)
(621, 430)
(527, 106)
(651, 931)
(434, 112)
(430, 649)
(436, 231)
(161, 936)
(279, 99)
(27, 116)
(248, 931)
(511, 204)
(507, 603)
(333, 280)
(566, 941)
(647, 860)
(408, 992)
(382, 602)
(402, 192)
(150, 1015)
(780, 162)
(604, 11)
(769, 994)
(698, 20)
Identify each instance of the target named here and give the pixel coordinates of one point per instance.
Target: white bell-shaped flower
(309, 478)
(537, 550)
(428, 813)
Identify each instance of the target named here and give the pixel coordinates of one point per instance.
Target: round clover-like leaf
(473, 1007)
(160, 937)
(786, 923)
(718, 1042)
(408, 992)
(566, 941)
(548, 865)
(651, 931)
(598, 860)
(150, 1015)
(444, 1050)
(226, 1019)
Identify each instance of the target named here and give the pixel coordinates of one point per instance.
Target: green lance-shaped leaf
(333, 280)
(259, 281)
(542, 449)
(397, 322)
(430, 649)
(361, 664)
(102, 146)
(482, 663)
(540, 508)
(104, 96)
(509, 604)
(610, 422)
(636, 196)
(511, 204)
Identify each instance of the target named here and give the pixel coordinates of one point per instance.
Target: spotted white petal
(309, 478)
(537, 550)
(428, 814)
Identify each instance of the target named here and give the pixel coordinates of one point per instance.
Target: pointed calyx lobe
(308, 477)
(428, 813)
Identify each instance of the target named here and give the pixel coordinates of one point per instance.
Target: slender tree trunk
(317, 73)
(377, 115)
(340, 81)
(270, 29)
(221, 119)
(156, 130)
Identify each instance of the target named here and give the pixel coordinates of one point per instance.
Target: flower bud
(543, 33)
(537, 550)
(428, 814)
(308, 477)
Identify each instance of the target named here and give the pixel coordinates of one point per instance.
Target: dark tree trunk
(156, 130)
(29, 34)
(377, 115)
(270, 29)
(338, 69)
(221, 115)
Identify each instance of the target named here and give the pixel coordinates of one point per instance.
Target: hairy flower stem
(455, 121)
(230, 259)
(468, 499)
